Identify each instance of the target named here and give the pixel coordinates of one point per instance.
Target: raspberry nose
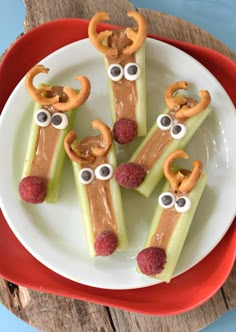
(33, 189)
(124, 131)
(130, 175)
(106, 243)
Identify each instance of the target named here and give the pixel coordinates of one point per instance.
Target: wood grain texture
(158, 23)
(51, 313)
(53, 9)
(186, 322)
(54, 313)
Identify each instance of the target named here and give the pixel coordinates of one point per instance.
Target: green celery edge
(117, 206)
(156, 173)
(141, 109)
(59, 154)
(178, 237)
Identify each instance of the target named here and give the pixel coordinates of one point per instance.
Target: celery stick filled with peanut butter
(94, 161)
(53, 117)
(172, 130)
(172, 219)
(124, 55)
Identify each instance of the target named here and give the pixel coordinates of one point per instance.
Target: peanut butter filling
(125, 92)
(99, 191)
(153, 149)
(168, 221)
(158, 142)
(47, 141)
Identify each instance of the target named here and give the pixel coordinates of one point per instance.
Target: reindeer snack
(172, 219)
(53, 117)
(124, 55)
(94, 160)
(172, 130)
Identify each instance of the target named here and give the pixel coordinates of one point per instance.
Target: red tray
(19, 266)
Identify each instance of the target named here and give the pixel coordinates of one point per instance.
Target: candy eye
(115, 72)
(182, 204)
(86, 175)
(166, 200)
(42, 118)
(132, 71)
(178, 131)
(59, 120)
(164, 121)
(104, 172)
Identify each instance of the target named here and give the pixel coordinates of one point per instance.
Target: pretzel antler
(97, 38)
(106, 136)
(178, 181)
(73, 146)
(75, 99)
(186, 112)
(178, 103)
(174, 178)
(37, 94)
(189, 181)
(137, 37)
(72, 149)
(174, 103)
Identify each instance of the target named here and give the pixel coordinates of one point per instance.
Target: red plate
(163, 299)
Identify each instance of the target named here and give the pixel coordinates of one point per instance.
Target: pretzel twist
(137, 37)
(178, 181)
(73, 150)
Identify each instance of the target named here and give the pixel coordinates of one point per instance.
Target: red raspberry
(151, 260)
(32, 189)
(106, 243)
(130, 175)
(124, 131)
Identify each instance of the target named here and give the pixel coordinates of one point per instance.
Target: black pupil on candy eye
(56, 120)
(176, 129)
(132, 70)
(165, 121)
(42, 117)
(104, 171)
(86, 175)
(166, 200)
(115, 71)
(180, 202)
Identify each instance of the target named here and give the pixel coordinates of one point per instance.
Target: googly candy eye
(166, 200)
(132, 71)
(104, 172)
(86, 175)
(115, 72)
(178, 131)
(164, 121)
(182, 204)
(59, 120)
(42, 118)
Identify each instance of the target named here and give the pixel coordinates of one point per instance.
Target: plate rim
(25, 240)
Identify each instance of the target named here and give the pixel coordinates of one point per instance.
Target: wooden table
(54, 313)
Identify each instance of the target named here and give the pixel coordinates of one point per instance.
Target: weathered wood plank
(159, 23)
(52, 313)
(187, 322)
(50, 10)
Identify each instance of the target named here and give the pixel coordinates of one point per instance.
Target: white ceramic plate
(54, 233)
